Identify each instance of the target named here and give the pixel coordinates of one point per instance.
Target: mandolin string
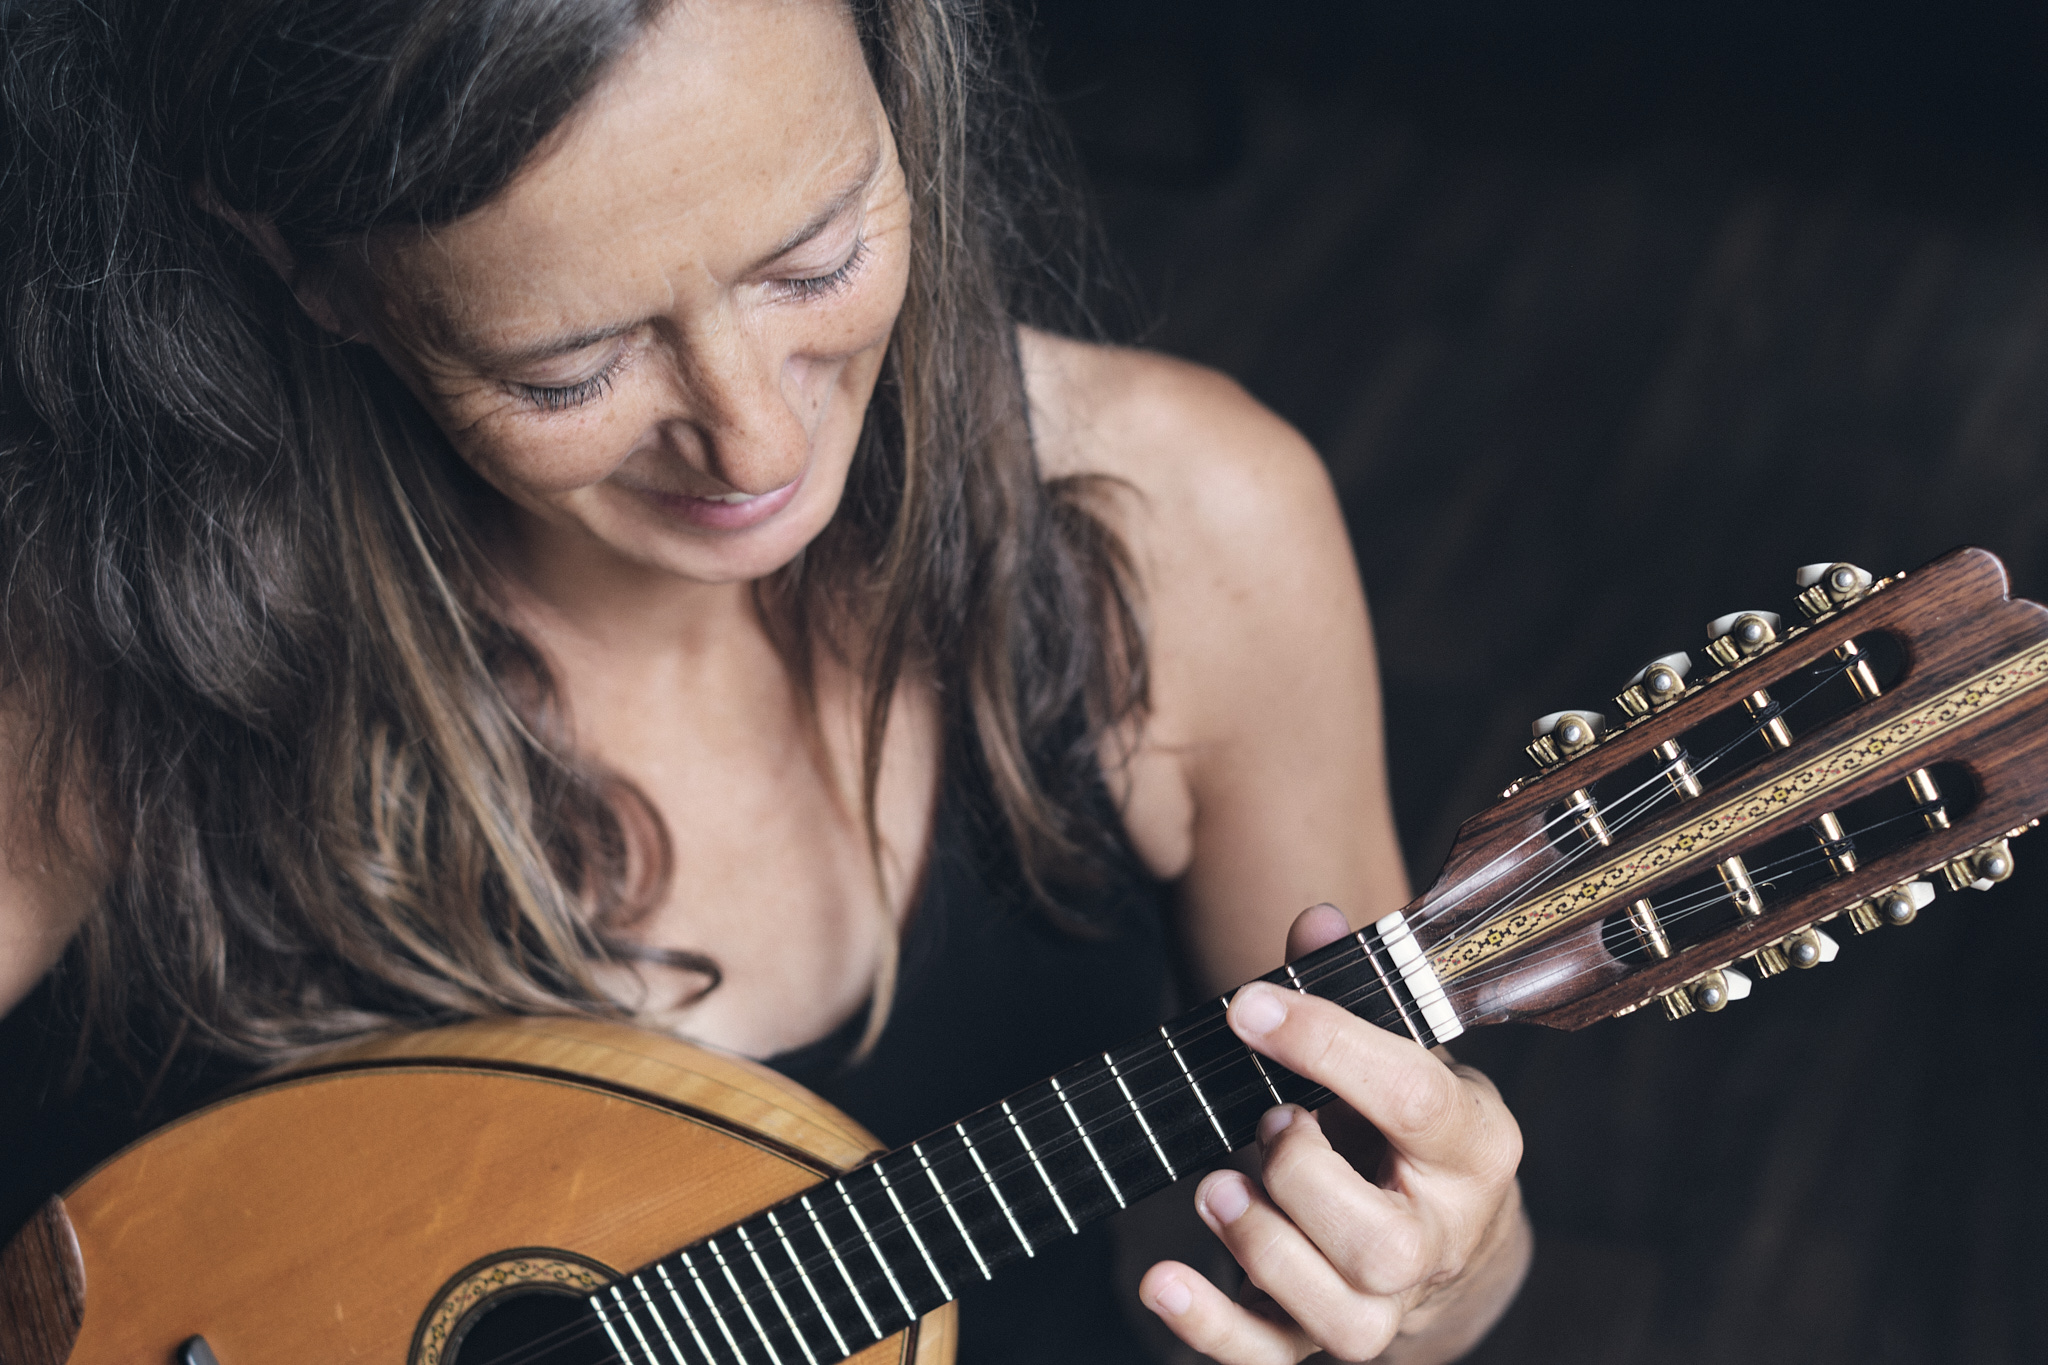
(1666, 792)
(1694, 904)
(1673, 910)
(1666, 912)
(1625, 818)
(1674, 913)
(1679, 911)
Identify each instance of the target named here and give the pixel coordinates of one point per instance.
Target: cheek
(864, 319)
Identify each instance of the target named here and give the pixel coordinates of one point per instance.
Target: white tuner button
(1810, 947)
(1655, 685)
(1741, 635)
(1565, 734)
(1825, 587)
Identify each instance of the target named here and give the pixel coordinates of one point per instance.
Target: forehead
(726, 127)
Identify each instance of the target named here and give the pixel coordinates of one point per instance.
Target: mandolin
(564, 1192)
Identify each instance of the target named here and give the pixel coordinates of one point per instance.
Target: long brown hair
(325, 785)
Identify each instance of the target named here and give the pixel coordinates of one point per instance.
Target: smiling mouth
(725, 511)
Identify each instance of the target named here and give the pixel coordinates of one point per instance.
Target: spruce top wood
(472, 1195)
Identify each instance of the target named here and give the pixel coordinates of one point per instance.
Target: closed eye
(561, 397)
(819, 286)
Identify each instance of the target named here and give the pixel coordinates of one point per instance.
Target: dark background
(1605, 316)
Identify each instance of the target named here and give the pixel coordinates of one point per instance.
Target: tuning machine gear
(1982, 868)
(1896, 905)
(1827, 588)
(1563, 735)
(1809, 948)
(1707, 993)
(1742, 635)
(1655, 686)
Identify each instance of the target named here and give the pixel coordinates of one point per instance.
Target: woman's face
(660, 340)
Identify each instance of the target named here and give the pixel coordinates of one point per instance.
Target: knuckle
(1318, 1039)
(1400, 1258)
(1423, 1100)
(1502, 1152)
(1215, 1334)
(1365, 1333)
(1478, 1080)
(1290, 1156)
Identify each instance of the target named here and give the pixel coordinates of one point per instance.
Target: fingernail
(1275, 1122)
(1258, 1009)
(1172, 1297)
(1226, 1200)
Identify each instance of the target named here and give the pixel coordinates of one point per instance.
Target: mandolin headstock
(1739, 813)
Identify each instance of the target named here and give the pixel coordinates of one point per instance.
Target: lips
(724, 511)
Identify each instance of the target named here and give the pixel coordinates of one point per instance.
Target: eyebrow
(564, 343)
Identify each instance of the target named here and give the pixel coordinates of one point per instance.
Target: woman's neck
(583, 595)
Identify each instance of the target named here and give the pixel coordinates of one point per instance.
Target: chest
(759, 785)
(774, 876)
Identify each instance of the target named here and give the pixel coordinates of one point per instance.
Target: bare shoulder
(1216, 477)
(1256, 776)
(43, 897)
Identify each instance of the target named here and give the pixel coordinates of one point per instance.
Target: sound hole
(530, 1327)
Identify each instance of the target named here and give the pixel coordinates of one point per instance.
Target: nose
(745, 417)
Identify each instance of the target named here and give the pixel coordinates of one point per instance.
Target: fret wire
(996, 1190)
(1088, 1142)
(689, 1320)
(774, 1293)
(825, 1313)
(917, 1150)
(908, 1226)
(876, 1247)
(760, 1332)
(1063, 1099)
(654, 1311)
(597, 1302)
(1050, 1188)
(1387, 985)
(845, 1273)
(704, 1293)
(1149, 1137)
(1196, 1086)
(1265, 1076)
(646, 1351)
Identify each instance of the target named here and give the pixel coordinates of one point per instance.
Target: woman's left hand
(1412, 1264)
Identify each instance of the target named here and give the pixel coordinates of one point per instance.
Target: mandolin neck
(819, 1277)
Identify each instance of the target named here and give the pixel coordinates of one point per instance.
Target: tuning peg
(1712, 992)
(1565, 734)
(1982, 868)
(1768, 961)
(1898, 905)
(1741, 635)
(1707, 993)
(1826, 588)
(1656, 685)
(1809, 948)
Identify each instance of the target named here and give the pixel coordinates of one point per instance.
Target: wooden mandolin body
(363, 1210)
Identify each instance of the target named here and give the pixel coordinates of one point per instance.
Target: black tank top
(991, 996)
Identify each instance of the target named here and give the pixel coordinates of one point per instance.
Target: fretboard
(824, 1275)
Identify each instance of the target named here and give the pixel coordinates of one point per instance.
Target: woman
(541, 505)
